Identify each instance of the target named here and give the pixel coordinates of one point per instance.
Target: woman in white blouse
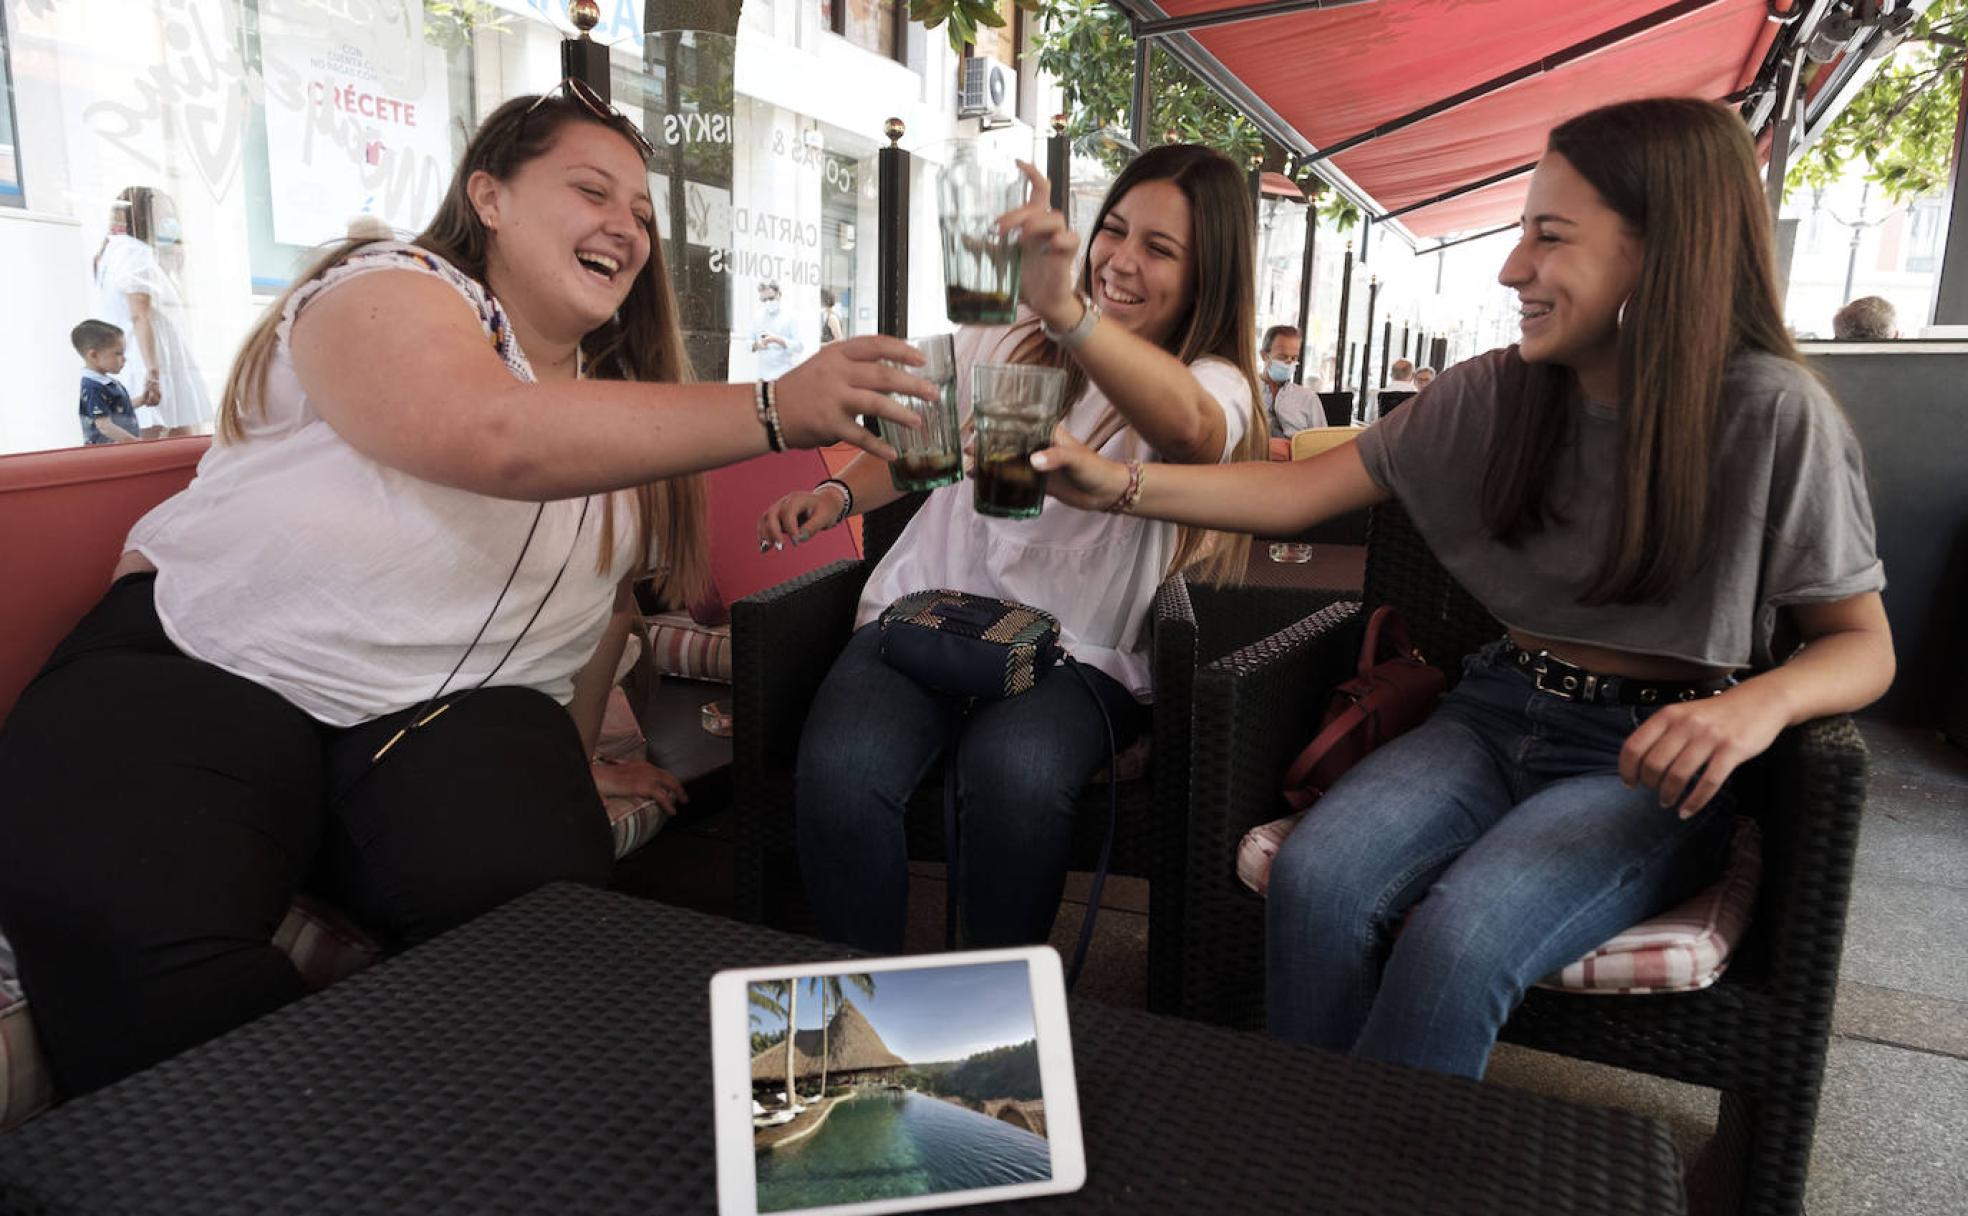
(138, 293)
(1155, 334)
(368, 648)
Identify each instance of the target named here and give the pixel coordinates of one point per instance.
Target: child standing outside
(108, 414)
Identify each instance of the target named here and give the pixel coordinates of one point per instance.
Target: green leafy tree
(1901, 124)
(960, 18)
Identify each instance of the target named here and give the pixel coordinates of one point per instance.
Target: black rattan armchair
(1759, 1035)
(785, 639)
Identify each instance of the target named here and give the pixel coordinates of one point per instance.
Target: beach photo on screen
(891, 1084)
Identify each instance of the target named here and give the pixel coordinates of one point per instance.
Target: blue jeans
(870, 738)
(1506, 810)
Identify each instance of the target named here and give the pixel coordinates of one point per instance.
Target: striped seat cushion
(679, 646)
(325, 946)
(1683, 949)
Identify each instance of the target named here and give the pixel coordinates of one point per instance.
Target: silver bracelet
(1070, 338)
(847, 497)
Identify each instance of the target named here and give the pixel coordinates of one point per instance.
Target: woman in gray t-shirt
(1634, 490)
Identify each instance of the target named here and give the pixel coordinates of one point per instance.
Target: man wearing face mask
(774, 339)
(1290, 407)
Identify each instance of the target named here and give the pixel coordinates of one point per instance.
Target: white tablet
(904, 1083)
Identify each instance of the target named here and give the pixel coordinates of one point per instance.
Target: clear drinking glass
(980, 264)
(1015, 407)
(930, 455)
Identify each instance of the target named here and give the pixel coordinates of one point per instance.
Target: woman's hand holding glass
(1046, 283)
(1077, 475)
(821, 401)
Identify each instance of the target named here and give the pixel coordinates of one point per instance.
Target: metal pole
(582, 58)
(1059, 165)
(1780, 132)
(892, 233)
(1307, 267)
(1138, 118)
(1340, 363)
(1386, 347)
(1366, 355)
(1951, 294)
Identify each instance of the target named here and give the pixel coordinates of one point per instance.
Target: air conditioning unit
(987, 91)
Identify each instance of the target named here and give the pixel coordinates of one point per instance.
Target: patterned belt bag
(969, 645)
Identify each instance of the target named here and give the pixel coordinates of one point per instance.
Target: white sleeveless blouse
(351, 588)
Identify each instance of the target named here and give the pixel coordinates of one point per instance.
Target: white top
(351, 588)
(129, 267)
(1096, 572)
(776, 360)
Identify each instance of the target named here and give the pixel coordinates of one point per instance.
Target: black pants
(158, 814)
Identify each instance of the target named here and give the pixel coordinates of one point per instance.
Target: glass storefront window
(248, 134)
(10, 190)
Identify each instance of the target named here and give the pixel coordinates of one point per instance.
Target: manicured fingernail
(1039, 461)
(778, 544)
(802, 538)
(764, 545)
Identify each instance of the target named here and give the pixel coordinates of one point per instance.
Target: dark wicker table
(553, 1057)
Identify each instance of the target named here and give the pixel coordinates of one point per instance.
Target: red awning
(1333, 74)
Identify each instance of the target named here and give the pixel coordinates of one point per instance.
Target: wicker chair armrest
(1253, 710)
(783, 642)
(1808, 793)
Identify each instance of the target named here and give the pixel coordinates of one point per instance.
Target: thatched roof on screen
(852, 1045)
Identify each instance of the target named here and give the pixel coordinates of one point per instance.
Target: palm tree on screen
(829, 988)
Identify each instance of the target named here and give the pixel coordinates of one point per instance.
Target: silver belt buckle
(1566, 686)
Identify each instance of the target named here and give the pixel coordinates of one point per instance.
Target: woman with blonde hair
(370, 644)
(1156, 337)
(1664, 479)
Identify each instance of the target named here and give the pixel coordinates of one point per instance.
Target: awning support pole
(1345, 301)
(1138, 119)
(1785, 120)
(1951, 295)
(892, 233)
(1366, 352)
(1307, 267)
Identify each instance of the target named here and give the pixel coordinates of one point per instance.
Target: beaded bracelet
(1125, 503)
(847, 497)
(765, 403)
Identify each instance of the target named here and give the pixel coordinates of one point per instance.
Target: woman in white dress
(138, 294)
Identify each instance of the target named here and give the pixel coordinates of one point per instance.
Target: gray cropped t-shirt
(1791, 520)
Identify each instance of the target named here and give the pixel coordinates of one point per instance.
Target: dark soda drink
(967, 307)
(925, 471)
(1008, 486)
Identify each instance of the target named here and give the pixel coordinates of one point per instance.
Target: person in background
(108, 415)
(831, 329)
(1289, 407)
(136, 284)
(775, 339)
(1866, 319)
(1424, 376)
(1573, 783)
(1400, 379)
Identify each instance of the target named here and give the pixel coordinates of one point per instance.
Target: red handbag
(1392, 692)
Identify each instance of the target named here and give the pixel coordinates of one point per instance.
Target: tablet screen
(894, 1084)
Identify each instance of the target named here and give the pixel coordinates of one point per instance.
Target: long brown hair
(1221, 319)
(1682, 173)
(641, 342)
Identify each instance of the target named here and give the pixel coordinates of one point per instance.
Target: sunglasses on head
(584, 93)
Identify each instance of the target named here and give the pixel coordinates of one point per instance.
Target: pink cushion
(64, 516)
(679, 646)
(740, 494)
(1683, 949)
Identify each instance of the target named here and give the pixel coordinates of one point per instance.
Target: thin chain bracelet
(1125, 503)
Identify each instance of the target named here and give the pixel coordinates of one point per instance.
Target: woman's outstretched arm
(1265, 499)
(402, 371)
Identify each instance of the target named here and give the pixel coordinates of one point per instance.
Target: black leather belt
(1570, 682)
